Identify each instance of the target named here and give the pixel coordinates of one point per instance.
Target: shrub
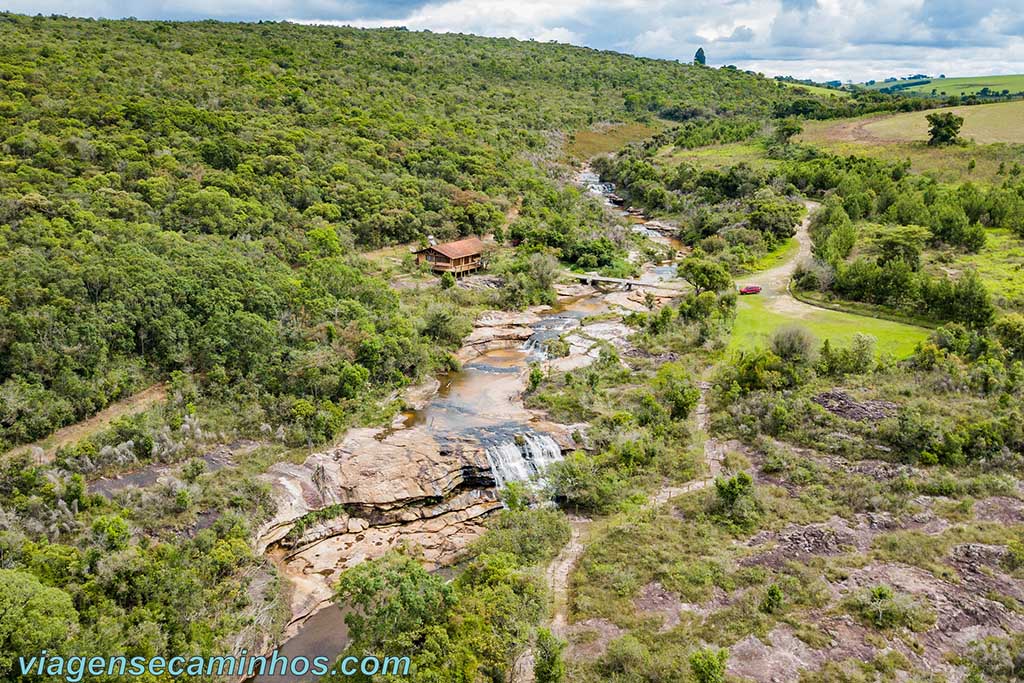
(794, 343)
(625, 655)
(773, 599)
(548, 666)
(708, 665)
(887, 610)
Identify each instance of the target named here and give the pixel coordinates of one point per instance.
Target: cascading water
(521, 457)
(551, 327)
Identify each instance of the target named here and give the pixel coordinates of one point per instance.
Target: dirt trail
(561, 567)
(64, 436)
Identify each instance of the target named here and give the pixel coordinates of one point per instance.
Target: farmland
(968, 85)
(994, 130)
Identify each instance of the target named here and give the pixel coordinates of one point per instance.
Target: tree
(903, 243)
(786, 129)
(944, 128)
(699, 57)
(396, 603)
(33, 617)
(704, 275)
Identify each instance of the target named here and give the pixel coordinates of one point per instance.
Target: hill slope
(181, 196)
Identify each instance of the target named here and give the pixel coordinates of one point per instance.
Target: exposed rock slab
(498, 330)
(838, 402)
(375, 490)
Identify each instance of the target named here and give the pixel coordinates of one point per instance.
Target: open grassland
(586, 144)
(756, 320)
(985, 123)
(995, 129)
(817, 89)
(968, 85)
(750, 152)
(1000, 264)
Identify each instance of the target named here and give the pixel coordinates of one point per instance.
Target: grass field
(969, 85)
(784, 252)
(983, 123)
(817, 89)
(1000, 265)
(755, 322)
(586, 144)
(718, 156)
(995, 128)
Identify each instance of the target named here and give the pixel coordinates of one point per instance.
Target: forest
(818, 482)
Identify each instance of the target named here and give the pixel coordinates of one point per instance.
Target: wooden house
(456, 258)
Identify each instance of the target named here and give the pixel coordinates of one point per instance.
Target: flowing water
(482, 401)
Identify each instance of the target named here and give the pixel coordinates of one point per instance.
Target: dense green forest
(188, 196)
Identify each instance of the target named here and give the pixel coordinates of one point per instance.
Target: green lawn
(755, 322)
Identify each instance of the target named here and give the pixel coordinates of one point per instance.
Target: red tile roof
(460, 249)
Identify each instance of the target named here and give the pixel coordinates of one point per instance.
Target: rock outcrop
(498, 330)
(377, 489)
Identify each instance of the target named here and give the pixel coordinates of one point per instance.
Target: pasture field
(995, 129)
(968, 85)
(758, 317)
(983, 123)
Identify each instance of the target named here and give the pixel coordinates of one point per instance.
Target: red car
(750, 289)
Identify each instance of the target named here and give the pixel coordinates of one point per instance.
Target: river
(482, 401)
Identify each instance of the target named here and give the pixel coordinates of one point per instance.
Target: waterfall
(550, 327)
(520, 458)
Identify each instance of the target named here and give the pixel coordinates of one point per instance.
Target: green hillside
(1012, 84)
(187, 196)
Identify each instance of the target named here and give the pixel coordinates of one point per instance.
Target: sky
(820, 39)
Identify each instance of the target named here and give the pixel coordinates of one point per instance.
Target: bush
(675, 388)
(548, 666)
(773, 599)
(708, 665)
(625, 655)
(887, 610)
(795, 344)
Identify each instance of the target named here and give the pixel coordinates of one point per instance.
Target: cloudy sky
(821, 39)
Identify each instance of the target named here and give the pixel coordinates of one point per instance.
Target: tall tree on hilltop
(699, 57)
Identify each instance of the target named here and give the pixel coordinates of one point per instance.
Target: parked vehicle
(750, 289)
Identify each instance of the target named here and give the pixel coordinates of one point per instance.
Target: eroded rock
(838, 402)
(364, 497)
